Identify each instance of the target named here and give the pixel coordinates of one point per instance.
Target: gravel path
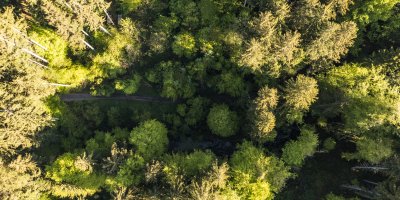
(86, 97)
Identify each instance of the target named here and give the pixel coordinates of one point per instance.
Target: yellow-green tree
(22, 87)
(264, 118)
(299, 95)
(255, 175)
(71, 17)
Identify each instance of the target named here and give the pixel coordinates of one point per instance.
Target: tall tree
(296, 151)
(263, 116)
(368, 105)
(275, 49)
(22, 87)
(21, 179)
(332, 43)
(255, 175)
(150, 139)
(299, 94)
(74, 176)
(222, 121)
(71, 17)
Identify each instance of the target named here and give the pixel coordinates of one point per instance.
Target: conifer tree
(71, 17)
(22, 87)
(301, 92)
(264, 122)
(332, 43)
(21, 179)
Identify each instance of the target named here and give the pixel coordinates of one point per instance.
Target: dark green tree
(222, 121)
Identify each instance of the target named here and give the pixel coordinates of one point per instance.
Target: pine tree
(20, 179)
(275, 49)
(71, 17)
(332, 43)
(264, 118)
(22, 88)
(300, 93)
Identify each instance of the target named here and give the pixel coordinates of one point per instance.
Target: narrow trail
(88, 97)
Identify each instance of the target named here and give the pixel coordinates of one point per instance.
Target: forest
(200, 99)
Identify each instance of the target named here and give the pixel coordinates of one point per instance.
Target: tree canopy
(199, 99)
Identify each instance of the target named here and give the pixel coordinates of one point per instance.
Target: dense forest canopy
(200, 99)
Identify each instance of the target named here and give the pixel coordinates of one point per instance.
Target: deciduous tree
(222, 121)
(150, 139)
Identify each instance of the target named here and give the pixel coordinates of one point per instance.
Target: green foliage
(250, 164)
(74, 75)
(258, 57)
(296, 151)
(150, 139)
(384, 33)
(272, 52)
(186, 10)
(301, 92)
(180, 166)
(129, 86)
(213, 185)
(20, 179)
(264, 119)
(163, 27)
(222, 121)
(102, 90)
(56, 51)
(369, 11)
(332, 43)
(388, 60)
(131, 172)
(121, 50)
(369, 101)
(208, 11)
(76, 170)
(184, 45)
(278, 174)
(232, 84)
(176, 82)
(249, 168)
(329, 144)
(129, 5)
(101, 143)
(22, 87)
(71, 20)
(63, 70)
(196, 110)
(372, 150)
(332, 196)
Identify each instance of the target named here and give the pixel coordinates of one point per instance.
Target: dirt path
(87, 97)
